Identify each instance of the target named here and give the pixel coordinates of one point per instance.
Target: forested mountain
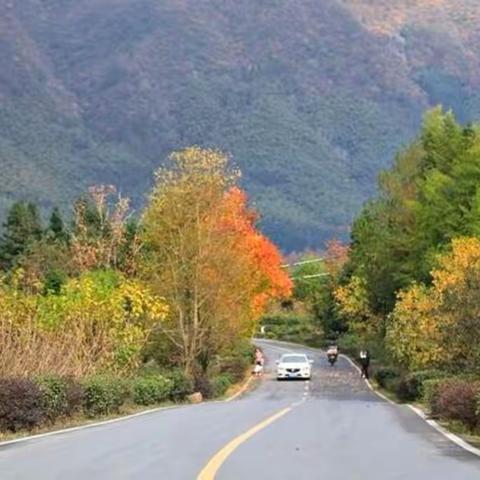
(311, 97)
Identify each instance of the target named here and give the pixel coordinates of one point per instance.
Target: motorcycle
(332, 358)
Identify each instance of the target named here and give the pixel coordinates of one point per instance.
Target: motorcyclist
(332, 353)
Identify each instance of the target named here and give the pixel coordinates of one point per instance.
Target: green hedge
(387, 377)
(30, 403)
(151, 389)
(411, 386)
(221, 384)
(182, 385)
(60, 396)
(104, 394)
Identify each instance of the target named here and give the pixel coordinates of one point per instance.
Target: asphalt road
(336, 428)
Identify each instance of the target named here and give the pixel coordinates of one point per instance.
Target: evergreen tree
(56, 226)
(23, 226)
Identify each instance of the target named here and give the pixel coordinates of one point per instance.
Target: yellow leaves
(414, 335)
(458, 265)
(352, 303)
(194, 167)
(352, 299)
(432, 325)
(98, 320)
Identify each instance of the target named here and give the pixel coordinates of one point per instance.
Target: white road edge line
(450, 436)
(88, 425)
(119, 419)
(241, 391)
(354, 365)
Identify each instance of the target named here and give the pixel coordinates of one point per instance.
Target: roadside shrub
(457, 400)
(104, 394)
(75, 396)
(477, 403)
(220, 384)
(387, 377)
(151, 389)
(20, 404)
(204, 386)
(237, 362)
(410, 387)
(349, 344)
(430, 394)
(406, 389)
(54, 396)
(182, 385)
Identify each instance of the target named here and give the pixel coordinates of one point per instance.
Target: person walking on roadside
(365, 362)
(259, 361)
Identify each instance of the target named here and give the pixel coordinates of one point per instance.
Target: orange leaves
(205, 255)
(267, 277)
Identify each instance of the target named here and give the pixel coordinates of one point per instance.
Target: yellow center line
(212, 467)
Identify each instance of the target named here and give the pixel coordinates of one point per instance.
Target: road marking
(214, 464)
(369, 385)
(242, 390)
(452, 437)
(90, 425)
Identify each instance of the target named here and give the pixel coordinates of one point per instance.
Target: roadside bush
(430, 394)
(457, 400)
(237, 362)
(151, 389)
(204, 386)
(75, 396)
(104, 394)
(349, 344)
(20, 404)
(410, 387)
(221, 384)
(181, 387)
(387, 377)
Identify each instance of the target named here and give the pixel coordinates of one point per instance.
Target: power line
(312, 276)
(304, 262)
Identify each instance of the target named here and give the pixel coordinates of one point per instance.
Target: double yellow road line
(213, 466)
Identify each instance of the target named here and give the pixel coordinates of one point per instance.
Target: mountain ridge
(311, 98)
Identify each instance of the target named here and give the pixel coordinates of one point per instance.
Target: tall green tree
(22, 227)
(430, 196)
(56, 226)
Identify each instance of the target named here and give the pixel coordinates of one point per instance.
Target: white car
(294, 365)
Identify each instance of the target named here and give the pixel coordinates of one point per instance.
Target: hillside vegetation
(311, 97)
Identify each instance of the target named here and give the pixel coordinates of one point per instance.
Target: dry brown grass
(27, 349)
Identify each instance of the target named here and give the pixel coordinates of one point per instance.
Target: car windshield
(294, 359)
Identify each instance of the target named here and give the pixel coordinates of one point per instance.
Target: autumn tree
(354, 306)
(414, 335)
(440, 325)
(204, 255)
(102, 229)
(456, 285)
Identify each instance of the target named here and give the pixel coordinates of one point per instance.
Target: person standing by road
(365, 362)
(259, 361)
